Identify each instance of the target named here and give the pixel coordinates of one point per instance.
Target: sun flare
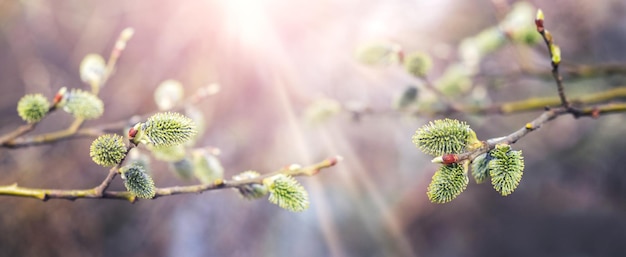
(246, 21)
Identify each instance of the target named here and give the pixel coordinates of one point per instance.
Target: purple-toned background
(272, 59)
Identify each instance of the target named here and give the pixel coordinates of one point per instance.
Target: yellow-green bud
(107, 150)
(169, 153)
(443, 137)
(183, 168)
(138, 182)
(168, 94)
(447, 183)
(93, 69)
(32, 108)
(418, 64)
(168, 129)
(207, 168)
(506, 169)
(556, 54)
(83, 104)
(286, 192)
(480, 167)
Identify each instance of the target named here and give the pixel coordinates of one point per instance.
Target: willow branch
(559, 85)
(545, 117)
(99, 192)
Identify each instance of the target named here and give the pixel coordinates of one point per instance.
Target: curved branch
(99, 192)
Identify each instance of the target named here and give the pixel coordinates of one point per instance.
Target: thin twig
(559, 85)
(545, 117)
(555, 60)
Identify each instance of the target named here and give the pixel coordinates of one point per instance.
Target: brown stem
(559, 85)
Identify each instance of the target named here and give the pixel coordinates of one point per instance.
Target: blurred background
(274, 60)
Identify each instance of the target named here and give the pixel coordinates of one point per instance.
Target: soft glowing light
(246, 21)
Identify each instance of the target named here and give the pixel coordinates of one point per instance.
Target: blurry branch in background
(166, 135)
(456, 90)
(453, 143)
(434, 97)
(530, 104)
(501, 8)
(568, 71)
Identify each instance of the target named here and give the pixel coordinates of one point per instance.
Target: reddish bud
(539, 21)
(401, 56)
(449, 159)
(539, 24)
(132, 132)
(57, 99)
(334, 160)
(595, 113)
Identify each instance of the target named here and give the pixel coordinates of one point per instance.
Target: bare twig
(545, 117)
